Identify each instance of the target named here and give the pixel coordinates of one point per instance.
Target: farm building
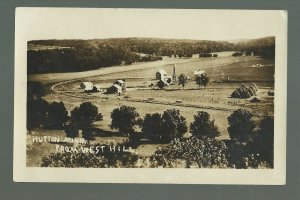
(114, 89)
(168, 79)
(198, 73)
(161, 74)
(162, 83)
(121, 83)
(87, 85)
(95, 88)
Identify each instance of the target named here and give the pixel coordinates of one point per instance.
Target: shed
(87, 85)
(114, 89)
(121, 83)
(162, 83)
(161, 74)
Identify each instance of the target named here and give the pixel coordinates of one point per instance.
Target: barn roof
(116, 86)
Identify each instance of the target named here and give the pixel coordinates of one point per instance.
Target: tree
(124, 119)
(202, 80)
(182, 80)
(152, 126)
(241, 125)
(71, 131)
(88, 134)
(265, 140)
(85, 115)
(203, 127)
(35, 90)
(37, 110)
(173, 125)
(57, 115)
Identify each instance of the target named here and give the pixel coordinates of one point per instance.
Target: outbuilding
(121, 83)
(161, 74)
(114, 89)
(87, 85)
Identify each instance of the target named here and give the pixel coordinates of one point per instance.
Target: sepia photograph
(150, 95)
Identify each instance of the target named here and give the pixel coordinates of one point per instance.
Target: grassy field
(215, 99)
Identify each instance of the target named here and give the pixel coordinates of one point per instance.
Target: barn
(121, 83)
(114, 89)
(87, 85)
(161, 74)
(162, 83)
(198, 73)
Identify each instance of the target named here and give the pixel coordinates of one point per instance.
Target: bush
(241, 125)
(124, 119)
(173, 125)
(203, 127)
(193, 152)
(242, 155)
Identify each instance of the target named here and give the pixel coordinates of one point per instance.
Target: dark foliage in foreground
(194, 152)
(241, 125)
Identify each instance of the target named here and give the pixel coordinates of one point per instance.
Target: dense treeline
(82, 55)
(264, 47)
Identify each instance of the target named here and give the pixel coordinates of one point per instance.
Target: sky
(97, 23)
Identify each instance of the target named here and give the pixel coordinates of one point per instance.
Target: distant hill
(45, 56)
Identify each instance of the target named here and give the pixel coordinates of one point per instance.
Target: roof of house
(116, 86)
(87, 84)
(120, 81)
(198, 72)
(162, 71)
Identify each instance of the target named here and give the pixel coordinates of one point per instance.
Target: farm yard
(226, 74)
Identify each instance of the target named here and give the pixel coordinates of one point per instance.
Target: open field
(226, 74)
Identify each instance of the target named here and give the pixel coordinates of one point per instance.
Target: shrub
(241, 155)
(194, 152)
(241, 125)
(203, 127)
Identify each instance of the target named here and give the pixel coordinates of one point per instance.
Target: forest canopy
(53, 56)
